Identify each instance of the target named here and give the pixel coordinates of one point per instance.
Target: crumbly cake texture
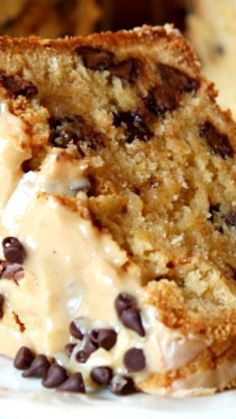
(211, 29)
(48, 18)
(131, 116)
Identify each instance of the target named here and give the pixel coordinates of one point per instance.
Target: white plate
(22, 398)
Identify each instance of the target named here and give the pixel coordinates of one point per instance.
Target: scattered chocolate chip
(84, 354)
(13, 250)
(69, 349)
(134, 124)
(123, 302)
(219, 143)
(127, 70)
(96, 58)
(121, 385)
(102, 375)
(10, 270)
(103, 338)
(74, 130)
(38, 368)
(129, 314)
(56, 375)
(167, 95)
(73, 384)
(134, 360)
(16, 85)
(132, 320)
(23, 358)
(75, 331)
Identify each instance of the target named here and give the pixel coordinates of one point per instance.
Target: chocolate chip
(129, 313)
(104, 338)
(102, 375)
(96, 58)
(134, 125)
(123, 302)
(73, 384)
(127, 70)
(134, 360)
(121, 385)
(75, 331)
(73, 130)
(161, 100)
(16, 85)
(23, 358)
(10, 270)
(213, 209)
(167, 95)
(219, 143)
(132, 320)
(2, 299)
(38, 368)
(13, 250)
(84, 354)
(56, 375)
(69, 349)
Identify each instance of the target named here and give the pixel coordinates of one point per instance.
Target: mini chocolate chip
(134, 124)
(134, 360)
(13, 250)
(122, 385)
(102, 375)
(128, 312)
(96, 58)
(23, 358)
(84, 354)
(127, 70)
(2, 299)
(213, 209)
(38, 368)
(69, 349)
(219, 143)
(132, 320)
(75, 331)
(10, 270)
(73, 384)
(104, 338)
(167, 95)
(56, 375)
(219, 49)
(123, 302)
(16, 85)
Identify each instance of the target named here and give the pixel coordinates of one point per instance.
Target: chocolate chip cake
(118, 215)
(48, 18)
(213, 33)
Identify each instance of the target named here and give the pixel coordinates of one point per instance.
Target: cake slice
(118, 215)
(213, 34)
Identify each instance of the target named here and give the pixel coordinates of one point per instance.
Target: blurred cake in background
(48, 18)
(212, 31)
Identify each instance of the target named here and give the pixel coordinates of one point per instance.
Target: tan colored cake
(212, 31)
(118, 202)
(48, 18)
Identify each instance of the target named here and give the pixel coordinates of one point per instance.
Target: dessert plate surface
(26, 398)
